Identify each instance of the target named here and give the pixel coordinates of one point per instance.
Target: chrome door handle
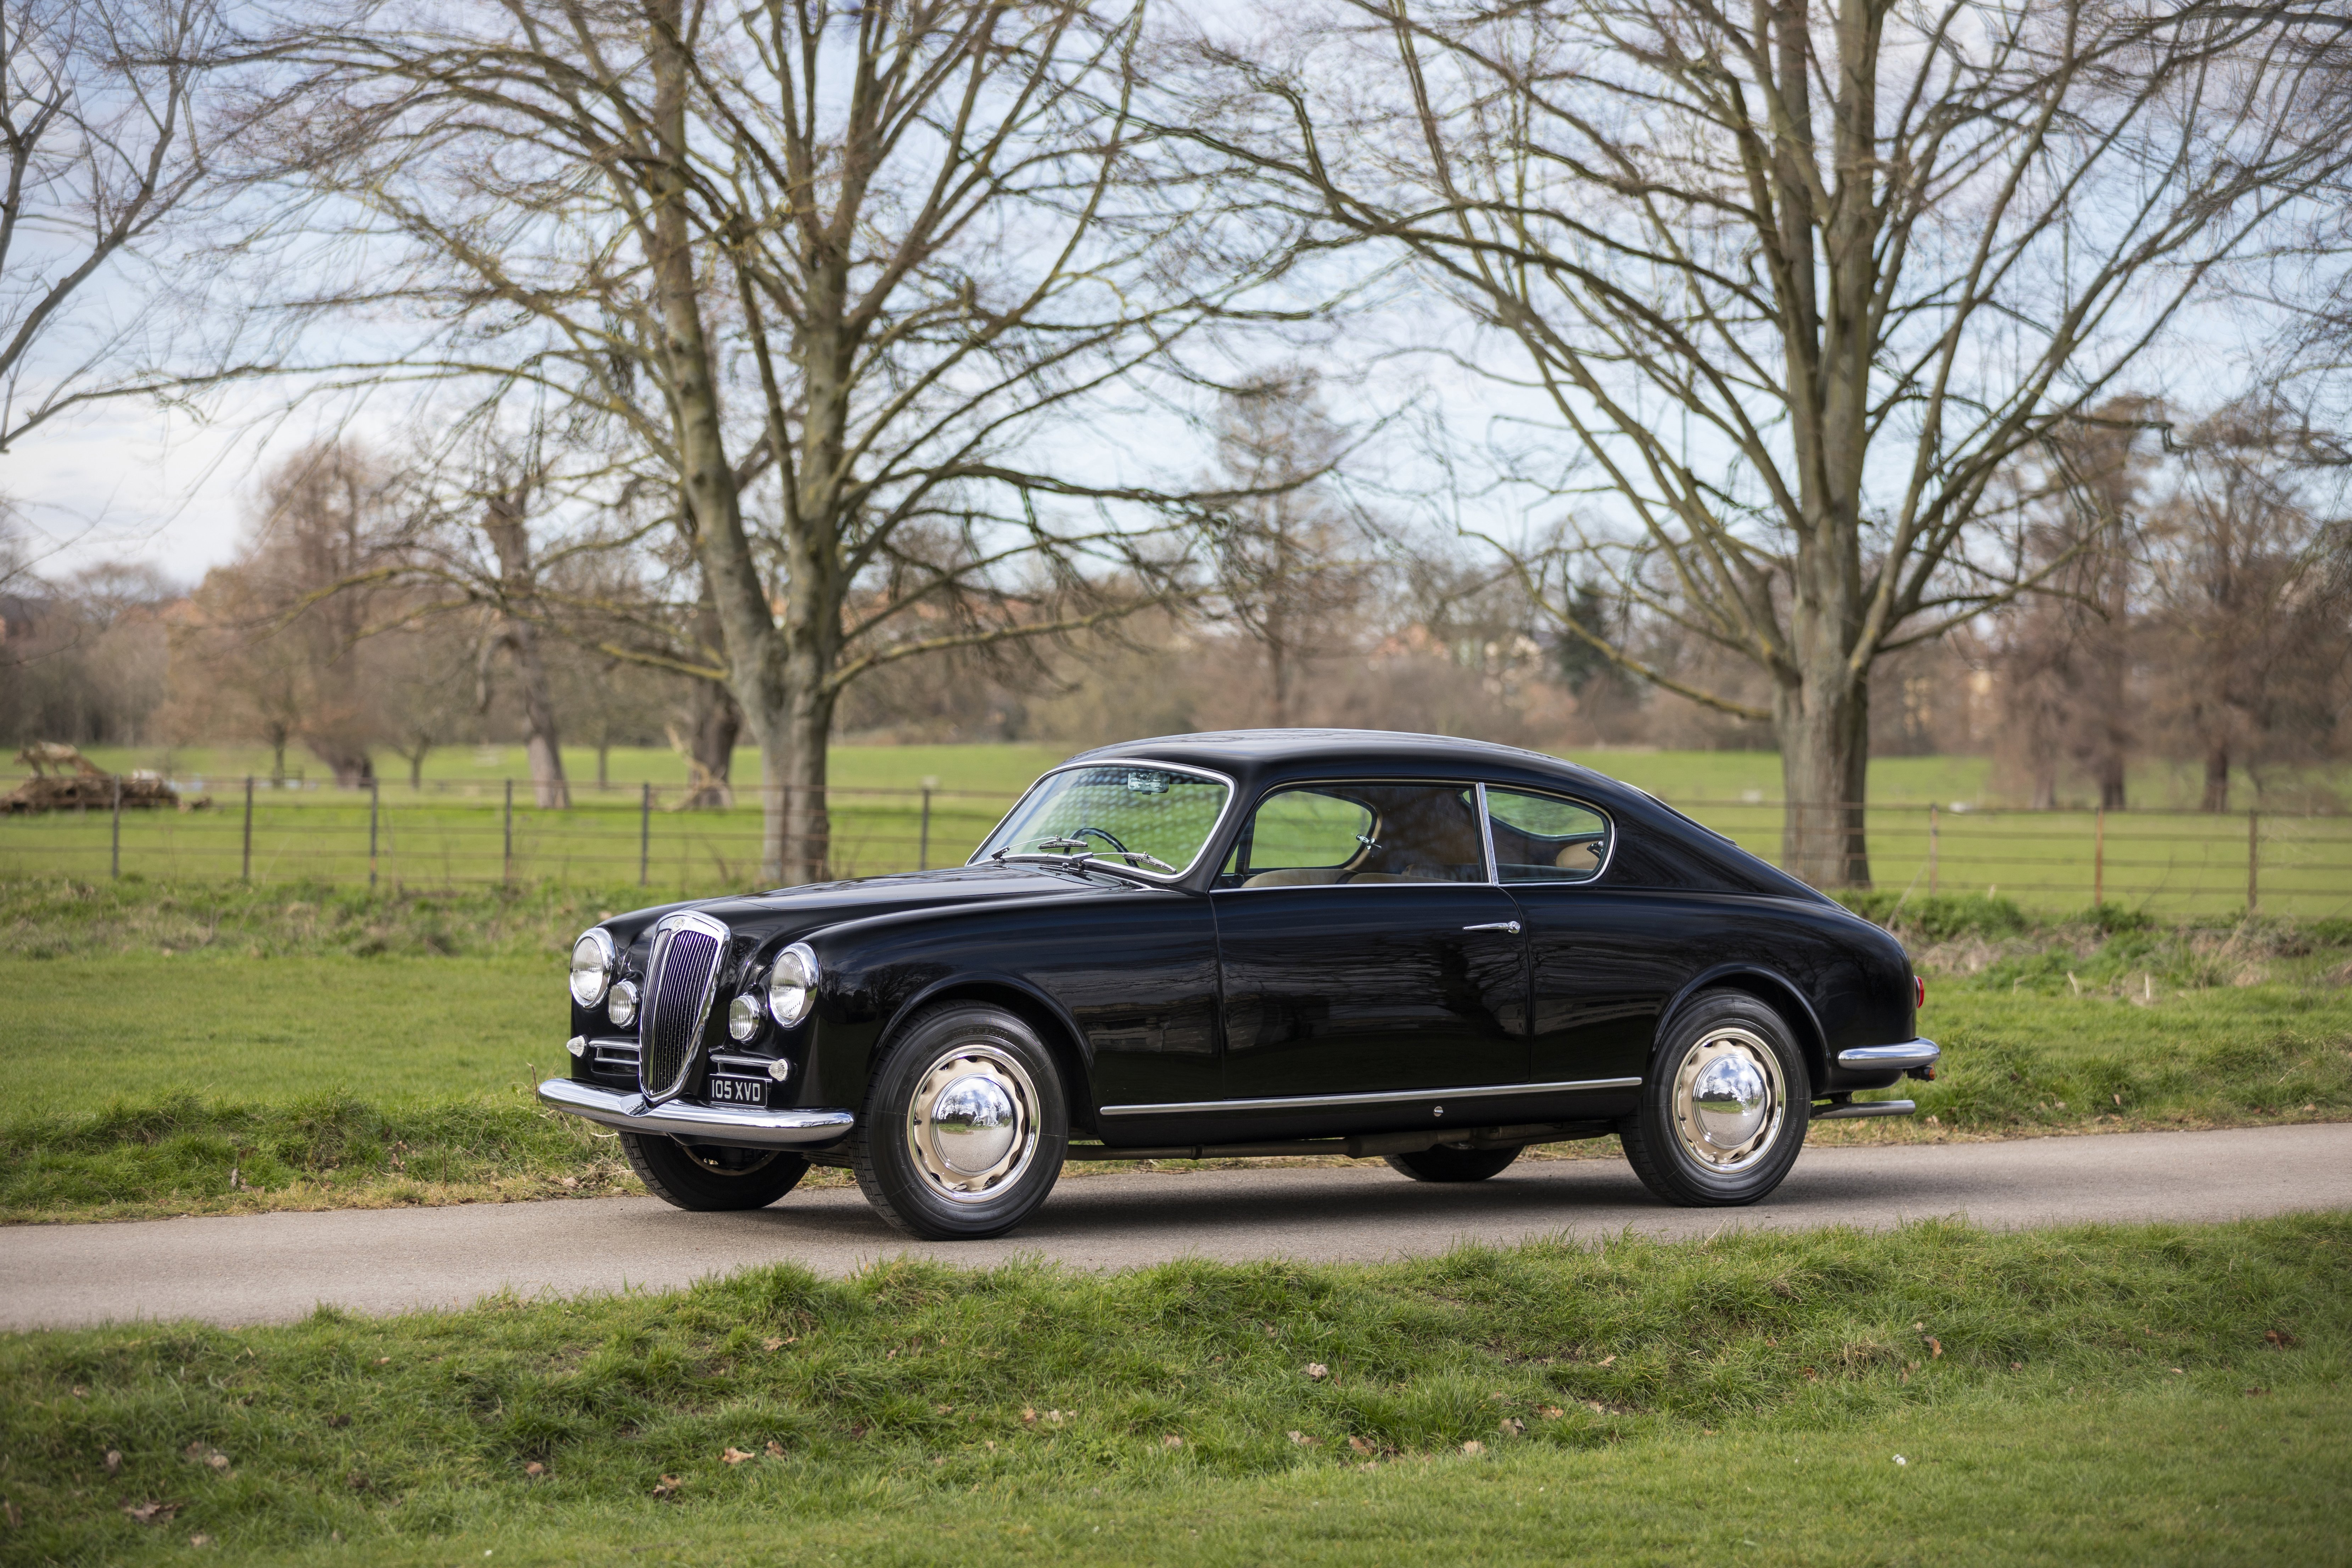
(1511, 926)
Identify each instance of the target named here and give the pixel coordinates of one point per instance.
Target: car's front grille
(681, 974)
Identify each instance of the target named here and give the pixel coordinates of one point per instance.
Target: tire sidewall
(1694, 1181)
(673, 1174)
(887, 1169)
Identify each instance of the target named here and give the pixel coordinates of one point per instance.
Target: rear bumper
(1913, 1057)
(735, 1124)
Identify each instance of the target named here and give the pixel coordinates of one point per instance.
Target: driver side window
(1355, 835)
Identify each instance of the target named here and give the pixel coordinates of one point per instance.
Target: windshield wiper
(1081, 860)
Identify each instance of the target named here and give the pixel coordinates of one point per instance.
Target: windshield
(1151, 817)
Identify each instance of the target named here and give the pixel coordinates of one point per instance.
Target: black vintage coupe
(1291, 941)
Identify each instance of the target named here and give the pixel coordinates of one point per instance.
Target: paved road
(271, 1267)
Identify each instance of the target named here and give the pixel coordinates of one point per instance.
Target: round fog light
(622, 1006)
(743, 1017)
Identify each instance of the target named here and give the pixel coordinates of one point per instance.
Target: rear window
(1544, 837)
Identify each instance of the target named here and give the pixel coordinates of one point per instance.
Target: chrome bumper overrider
(627, 1110)
(1908, 1057)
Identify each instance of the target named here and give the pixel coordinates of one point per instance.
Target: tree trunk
(715, 722)
(520, 637)
(1825, 732)
(792, 758)
(2217, 777)
(416, 769)
(603, 758)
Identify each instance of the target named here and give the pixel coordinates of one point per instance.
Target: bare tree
(832, 272)
(2251, 586)
(2065, 652)
(517, 637)
(1793, 284)
(1290, 565)
(109, 135)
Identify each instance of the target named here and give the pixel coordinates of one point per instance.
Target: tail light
(1918, 992)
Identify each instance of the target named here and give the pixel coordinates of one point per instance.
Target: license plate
(739, 1091)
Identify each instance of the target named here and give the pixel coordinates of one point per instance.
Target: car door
(1363, 948)
(1600, 975)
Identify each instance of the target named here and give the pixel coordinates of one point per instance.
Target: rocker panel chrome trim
(1345, 1102)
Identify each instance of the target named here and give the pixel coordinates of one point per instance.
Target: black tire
(706, 1178)
(1445, 1164)
(1720, 1153)
(1003, 1156)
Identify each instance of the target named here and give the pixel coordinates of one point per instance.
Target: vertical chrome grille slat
(681, 977)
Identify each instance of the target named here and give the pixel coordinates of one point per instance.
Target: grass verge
(2099, 1388)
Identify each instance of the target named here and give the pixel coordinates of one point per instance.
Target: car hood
(799, 910)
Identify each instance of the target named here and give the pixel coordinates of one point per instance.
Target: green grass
(2111, 1393)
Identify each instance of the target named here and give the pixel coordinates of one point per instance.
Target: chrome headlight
(622, 1006)
(592, 962)
(792, 985)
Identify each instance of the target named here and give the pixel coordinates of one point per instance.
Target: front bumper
(729, 1124)
(1918, 1057)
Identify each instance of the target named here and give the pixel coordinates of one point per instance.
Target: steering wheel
(1109, 838)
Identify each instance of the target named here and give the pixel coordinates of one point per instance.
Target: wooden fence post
(246, 874)
(645, 835)
(375, 799)
(2253, 861)
(923, 844)
(1935, 847)
(2099, 858)
(115, 852)
(509, 824)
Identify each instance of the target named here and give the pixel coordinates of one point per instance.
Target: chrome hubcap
(972, 1124)
(1729, 1100)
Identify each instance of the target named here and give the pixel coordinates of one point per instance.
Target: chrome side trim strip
(1865, 1107)
(709, 1123)
(1345, 1102)
(1909, 1054)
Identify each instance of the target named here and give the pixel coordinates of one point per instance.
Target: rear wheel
(1725, 1107)
(964, 1127)
(1446, 1164)
(705, 1177)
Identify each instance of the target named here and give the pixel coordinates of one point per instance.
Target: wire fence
(446, 833)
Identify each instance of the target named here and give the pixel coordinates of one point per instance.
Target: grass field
(2171, 1393)
(460, 831)
(212, 1049)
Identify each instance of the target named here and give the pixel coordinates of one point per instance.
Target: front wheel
(706, 1178)
(964, 1127)
(1725, 1107)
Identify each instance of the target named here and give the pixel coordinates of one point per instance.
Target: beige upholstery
(1579, 857)
(1300, 877)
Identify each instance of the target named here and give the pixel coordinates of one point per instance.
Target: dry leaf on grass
(1028, 1415)
(1473, 1446)
(1364, 1447)
(158, 1512)
(2279, 1339)
(1609, 1362)
(15, 1515)
(734, 1455)
(1550, 1412)
(1316, 1369)
(1935, 1348)
(667, 1487)
(775, 1449)
(1303, 1440)
(534, 1469)
(1512, 1427)
(113, 1461)
(200, 1539)
(1169, 1441)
